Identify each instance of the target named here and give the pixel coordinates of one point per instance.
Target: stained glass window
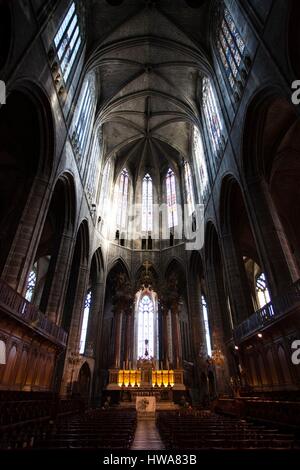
(231, 47)
(146, 327)
(189, 188)
(212, 117)
(206, 325)
(262, 290)
(122, 199)
(200, 162)
(147, 204)
(171, 199)
(31, 284)
(86, 312)
(67, 41)
(84, 116)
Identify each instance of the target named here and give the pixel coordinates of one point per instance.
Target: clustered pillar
(122, 303)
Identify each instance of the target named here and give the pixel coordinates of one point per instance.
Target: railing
(269, 313)
(19, 307)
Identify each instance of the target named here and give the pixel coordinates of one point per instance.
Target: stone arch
(26, 150)
(271, 148)
(84, 381)
(79, 261)
(92, 313)
(240, 246)
(68, 198)
(152, 276)
(268, 117)
(175, 264)
(196, 264)
(53, 248)
(37, 95)
(119, 264)
(117, 301)
(99, 263)
(219, 314)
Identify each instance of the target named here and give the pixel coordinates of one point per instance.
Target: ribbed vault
(149, 64)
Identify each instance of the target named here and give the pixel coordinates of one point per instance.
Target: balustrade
(271, 312)
(13, 303)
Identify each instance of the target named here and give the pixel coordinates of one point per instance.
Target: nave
(149, 224)
(53, 424)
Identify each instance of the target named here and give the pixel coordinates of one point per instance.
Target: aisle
(147, 436)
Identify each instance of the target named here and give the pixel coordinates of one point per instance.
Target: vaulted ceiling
(149, 58)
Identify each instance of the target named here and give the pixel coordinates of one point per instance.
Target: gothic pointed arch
(48, 258)
(273, 167)
(242, 246)
(26, 151)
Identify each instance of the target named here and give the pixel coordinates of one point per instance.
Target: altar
(146, 381)
(147, 342)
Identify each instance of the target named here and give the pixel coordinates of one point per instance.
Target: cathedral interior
(150, 250)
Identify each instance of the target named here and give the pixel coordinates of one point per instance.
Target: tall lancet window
(171, 199)
(200, 162)
(67, 41)
(146, 327)
(86, 313)
(31, 284)
(262, 291)
(231, 48)
(122, 203)
(206, 325)
(189, 188)
(84, 118)
(147, 204)
(212, 117)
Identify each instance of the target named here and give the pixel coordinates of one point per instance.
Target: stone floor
(147, 436)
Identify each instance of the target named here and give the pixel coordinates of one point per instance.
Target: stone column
(128, 338)
(166, 358)
(60, 277)
(95, 317)
(176, 340)
(238, 286)
(117, 340)
(278, 261)
(73, 347)
(217, 327)
(197, 329)
(22, 252)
